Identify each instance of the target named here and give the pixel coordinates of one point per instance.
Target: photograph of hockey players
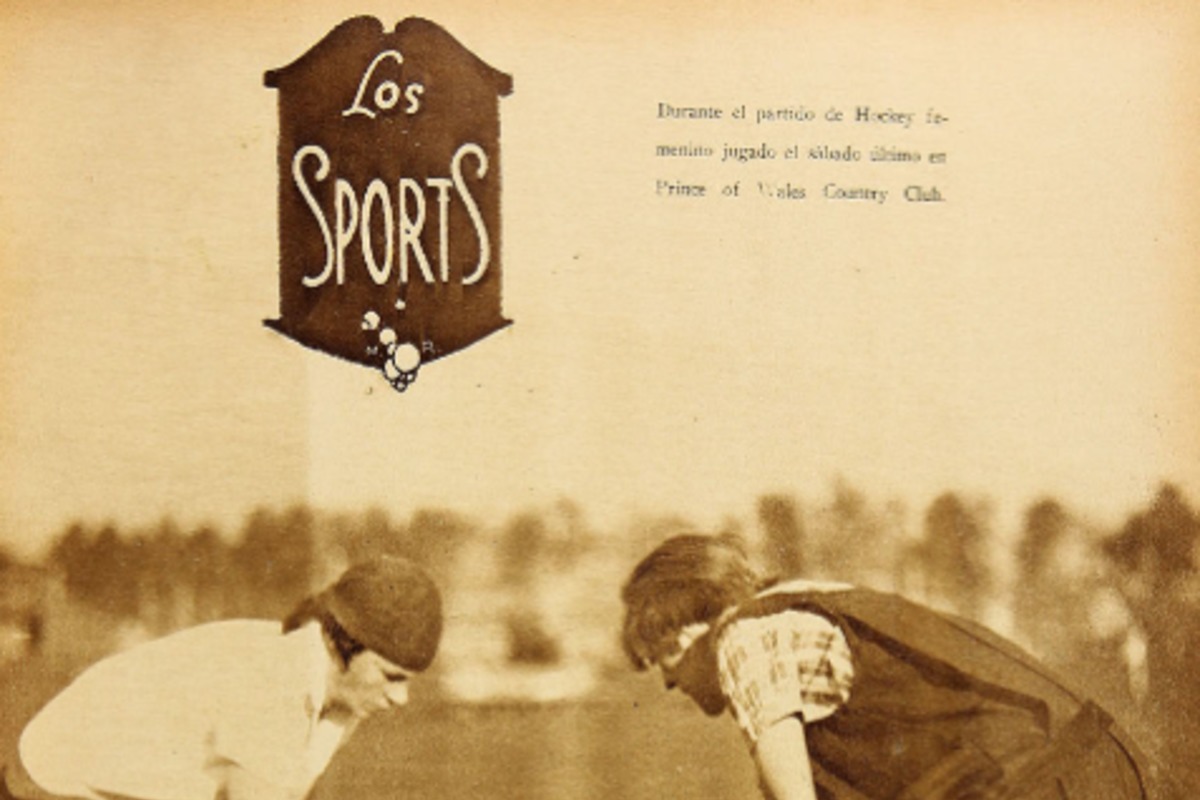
(984, 404)
(846, 692)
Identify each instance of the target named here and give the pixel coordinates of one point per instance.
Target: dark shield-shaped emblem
(389, 196)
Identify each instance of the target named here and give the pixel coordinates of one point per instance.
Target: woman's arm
(777, 672)
(781, 754)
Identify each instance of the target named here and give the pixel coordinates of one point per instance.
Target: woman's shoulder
(788, 606)
(786, 628)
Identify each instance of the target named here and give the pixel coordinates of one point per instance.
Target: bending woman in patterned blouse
(845, 693)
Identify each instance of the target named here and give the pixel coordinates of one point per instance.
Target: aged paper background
(1034, 335)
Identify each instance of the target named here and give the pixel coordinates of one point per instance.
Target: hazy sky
(1035, 333)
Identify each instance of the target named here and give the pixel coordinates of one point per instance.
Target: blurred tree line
(165, 578)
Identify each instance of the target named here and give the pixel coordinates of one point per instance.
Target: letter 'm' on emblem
(389, 196)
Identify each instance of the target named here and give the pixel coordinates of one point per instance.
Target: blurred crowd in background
(533, 601)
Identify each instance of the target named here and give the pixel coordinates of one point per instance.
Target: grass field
(586, 750)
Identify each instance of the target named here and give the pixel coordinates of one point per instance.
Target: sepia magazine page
(419, 326)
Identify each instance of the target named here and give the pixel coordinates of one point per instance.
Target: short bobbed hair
(687, 579)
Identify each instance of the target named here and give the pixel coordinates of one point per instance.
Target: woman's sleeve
(790, 664)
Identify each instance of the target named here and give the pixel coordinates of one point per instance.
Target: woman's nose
(396, 693)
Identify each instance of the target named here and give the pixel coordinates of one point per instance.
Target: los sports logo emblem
(389, 196)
